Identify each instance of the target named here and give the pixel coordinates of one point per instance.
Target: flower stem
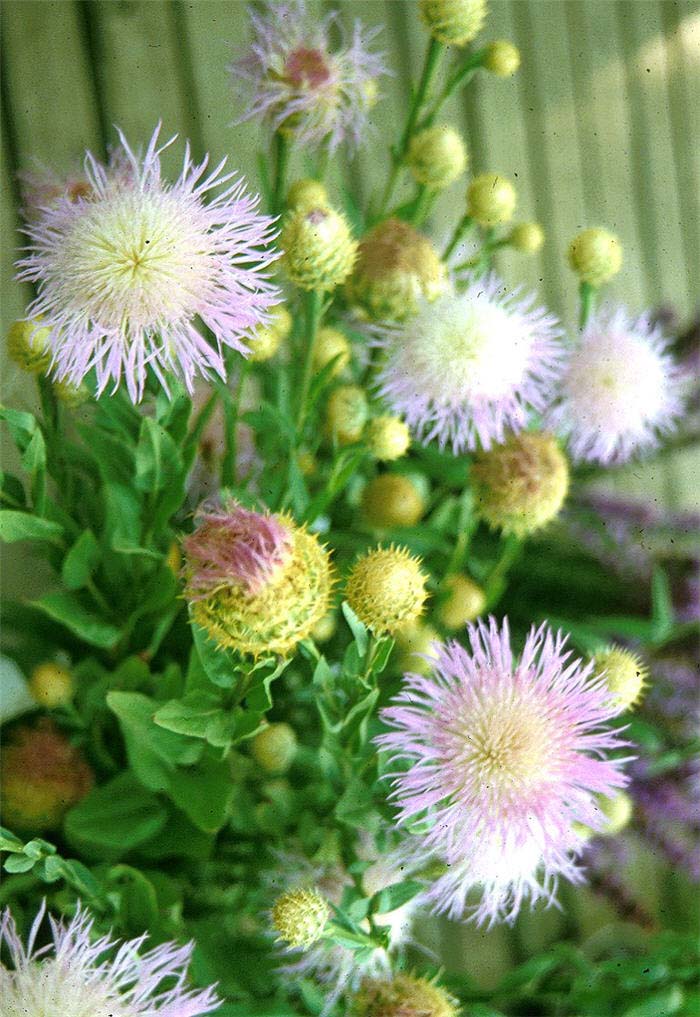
(281, 163)
(313, 316)
(464, 226)
(462, 76)
(232, 406)
(587, 294)
(432, 60)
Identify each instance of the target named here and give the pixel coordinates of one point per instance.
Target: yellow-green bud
(300, 917)
(502, 58)
(27, 346)
(402, 996)
(462, 602)
(437, 156)
(346, 414)
(396, 267)
(388, 438)
(319, 249)
(331, 344)
(325, 629)
(307, 193)
(274, 748)
(70, 395)
(51, 685)
(371, 92)
(491, 199)
(391, 499)
(617, 811)
(386, 589)
(624, 675)
(527, 237)
(415, 645)
(307, 463)
(520, 486)
(269, 337)
(453, 22)
(596, 256)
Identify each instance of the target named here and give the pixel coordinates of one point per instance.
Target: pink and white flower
(471, 366)
(130, 272)
(499, 760)
(298, 83)
(621, 389)
(81, 975)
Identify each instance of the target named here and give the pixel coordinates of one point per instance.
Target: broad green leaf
(67, 609)
(359, 630)
(158, 460)
(204, 792)
(115, 818)
(220, 665)
(24, 526)
(396, 895)
(81, 561)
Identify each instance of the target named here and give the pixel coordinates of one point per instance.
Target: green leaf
(158, 460)
(138, 901)
(67, 609)
(395, 896)
(359, 630)
(220, 666)
(115, 818)
(81, 561)
(662, 613)
(24, 526)
(200, 715)
(153, 752)
(9, 842)
(19, 863)
(205, 792)
(660, 1004)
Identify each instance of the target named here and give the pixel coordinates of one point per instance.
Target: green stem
(587, 294)
(281, 164)
(313, 316)
(458, 552)
(495, 583)
(423, 202)
(232, 407)
(432, 60)
(97, 597)
(462, 76)
(464, 226)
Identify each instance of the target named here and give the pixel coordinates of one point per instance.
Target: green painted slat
(657, 200)
(138, 71)
(50, 91)
(16, 386)
(602, 117)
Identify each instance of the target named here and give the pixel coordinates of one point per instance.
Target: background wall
(597, 126)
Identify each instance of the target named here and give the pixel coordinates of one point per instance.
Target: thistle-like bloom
(84, 976)
(505, 757)
(257, 583)
(621, 390)
(470, 366)
(299, 85)
(128, 273)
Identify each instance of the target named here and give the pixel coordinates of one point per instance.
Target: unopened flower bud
(43, 776)
(274, 748)
(617, 812)
(437, 156)
(70, 395)
(462, 602)
(386, 589)
(396, 267)
(596, 256)
(520, 486)
(346, 414)
(27, 346)
(527, 237)
(319, 250)
(415, 645)
(388, 438)
(453, 22)
(325, 629)
(391, 499)
(330, 345)
(502, 58)
(268, 338)
(403, 995)
(624, 675)
(491, 199)
(51, 685)
(300, 917)
(307, 193)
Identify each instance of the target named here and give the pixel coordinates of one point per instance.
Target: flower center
(54, 989)
(135, 257)
(307, 68)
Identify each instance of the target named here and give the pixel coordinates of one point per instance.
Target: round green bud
(491, 199)
(617, 812)
(437, 156)
(462, 601)
(346, 414)
(415, 647)
(596, 256)
(274, 748)
(330, 345)
(300, 917)
(51, 685)
(527, 237)
(307, 193)
(624, 674)
(453, 22)
(386, 589)
(319, 249)
(268, 338)
(402, 996)
(391, 499)
(388, 438)
(502, 58)
(27, 346)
